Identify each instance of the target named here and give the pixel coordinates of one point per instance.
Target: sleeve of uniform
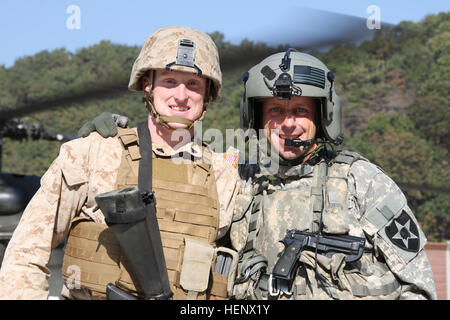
(228, 184)
(44, 224)
(392, 229)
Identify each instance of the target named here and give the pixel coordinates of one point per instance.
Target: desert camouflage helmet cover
(161, 49)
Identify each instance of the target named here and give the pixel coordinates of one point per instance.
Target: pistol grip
(287, 264)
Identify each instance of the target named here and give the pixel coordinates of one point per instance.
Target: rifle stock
(115, 293)
(134, 224)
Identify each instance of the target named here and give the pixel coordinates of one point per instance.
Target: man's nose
(288, 121)
(181, 93)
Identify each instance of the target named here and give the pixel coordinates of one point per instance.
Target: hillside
(394, 90)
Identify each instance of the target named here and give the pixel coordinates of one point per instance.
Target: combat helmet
(177, 48)
(288, 74)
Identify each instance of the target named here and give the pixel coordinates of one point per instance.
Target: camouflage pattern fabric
(84, 168)
(373, 203)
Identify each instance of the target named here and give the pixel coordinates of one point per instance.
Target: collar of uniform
(285, 169)
(300, 170)
(166, 151)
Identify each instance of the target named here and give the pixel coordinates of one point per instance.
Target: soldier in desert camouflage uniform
(178, 70)
(315, 189)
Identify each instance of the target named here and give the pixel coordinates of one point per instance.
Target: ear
(144, 81)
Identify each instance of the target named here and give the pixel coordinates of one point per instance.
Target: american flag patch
(231, 156)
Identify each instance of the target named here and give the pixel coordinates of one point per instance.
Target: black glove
(105, 124)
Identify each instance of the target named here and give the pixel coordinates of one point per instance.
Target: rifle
(296, 241)
(131, 216)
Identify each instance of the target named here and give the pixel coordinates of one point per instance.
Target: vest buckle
(277, 285)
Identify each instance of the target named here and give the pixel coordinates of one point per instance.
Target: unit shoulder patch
(404, 233)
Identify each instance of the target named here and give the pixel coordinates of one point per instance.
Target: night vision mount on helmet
(286, 75)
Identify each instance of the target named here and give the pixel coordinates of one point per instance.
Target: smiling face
(293, 119)
(178, 94)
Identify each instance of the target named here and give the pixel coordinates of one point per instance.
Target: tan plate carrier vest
(187, 207)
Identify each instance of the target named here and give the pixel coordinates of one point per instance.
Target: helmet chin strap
(164, 120)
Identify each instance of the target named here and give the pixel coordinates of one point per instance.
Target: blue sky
(27, 27)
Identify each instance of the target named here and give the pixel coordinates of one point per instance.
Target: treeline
(394, 90)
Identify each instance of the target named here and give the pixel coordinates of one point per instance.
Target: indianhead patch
(403, 232)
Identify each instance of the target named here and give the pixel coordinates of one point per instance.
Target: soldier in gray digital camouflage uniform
(300, 183)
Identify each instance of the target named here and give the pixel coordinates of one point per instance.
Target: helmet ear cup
(332, 120)
(257, 115)
(320, 106)
(251, 111)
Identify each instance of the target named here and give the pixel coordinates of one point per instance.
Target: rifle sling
(145, 185)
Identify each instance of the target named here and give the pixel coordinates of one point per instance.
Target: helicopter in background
(16, 190)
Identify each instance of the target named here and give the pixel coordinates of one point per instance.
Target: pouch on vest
(334, 207)
(223, 273)
(335, 217)
(197, 260)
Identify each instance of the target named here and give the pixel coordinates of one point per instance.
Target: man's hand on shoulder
(105, 124)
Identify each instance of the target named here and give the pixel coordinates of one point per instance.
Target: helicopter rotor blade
(98, 92)
(309, 28)
(301, 28)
